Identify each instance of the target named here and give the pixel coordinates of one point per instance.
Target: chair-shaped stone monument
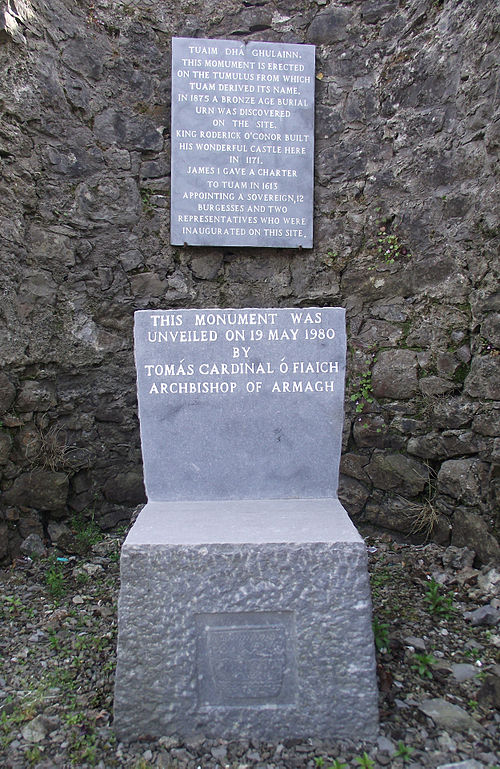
(244, 608)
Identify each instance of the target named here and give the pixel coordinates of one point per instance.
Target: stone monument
(244, 608)
(242, 143)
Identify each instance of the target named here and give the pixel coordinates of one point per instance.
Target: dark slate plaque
(240, 404)
(242, 143)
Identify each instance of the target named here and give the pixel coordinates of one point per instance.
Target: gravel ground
(436, 626)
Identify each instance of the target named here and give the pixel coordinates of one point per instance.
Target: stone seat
(244, 618)
(244, 607)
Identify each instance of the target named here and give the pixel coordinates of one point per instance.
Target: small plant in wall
(389, 245)
(330, 258)
(363, 394)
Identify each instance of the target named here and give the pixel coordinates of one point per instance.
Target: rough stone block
(245, 618)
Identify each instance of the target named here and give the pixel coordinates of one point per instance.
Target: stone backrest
(240, 404)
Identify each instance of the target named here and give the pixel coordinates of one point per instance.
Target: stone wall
(406, 238)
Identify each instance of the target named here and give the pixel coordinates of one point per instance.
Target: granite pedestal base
(245, 618)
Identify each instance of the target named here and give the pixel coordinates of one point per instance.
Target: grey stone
(483, 381)
(435, 385)
(417, 643)
(462, 479)
(130, 260)
(253, 18)
(408, 426)
(219, 753)
(413, 519)
(452, 413)
(370, 430)
(329, 26)
(373, 330)
(206, 266)
(54, 248)
(394, 374)
(386, 745)
(36, 396)
(484, 615)
(469, 763)
(460, 442)
(109, 200)
(57, 529)
(448, 716)
(487, 423)
(154, 169)
(249, 588)
(490, 329)
(393, 311)
(177, 287)
(354, 466)
(470, 530)
(395, 472)
(73, 162)
(118, 158)
(233, 183)
(85, 57)
(458, 558)
(33, 546)
(114, 518)
(12, 24)
(125, 488)
(463, 353)
(375, 10)
(430, 446)
(7, 393)
(5, 447)
(463, 672)
(200, 395)
(131, 132)
(447, 365)
(148, 285)
(489, 693)
(37, 729)
(40, 489)
(489, 582)
(353, 494)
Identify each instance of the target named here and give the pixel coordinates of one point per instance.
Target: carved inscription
(242, 143)
(240, 403)
(247, 662)
(240, 353)
(246, 659)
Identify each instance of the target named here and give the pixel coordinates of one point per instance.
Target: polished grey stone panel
(264, 632)
(242, 143)
(212, 429)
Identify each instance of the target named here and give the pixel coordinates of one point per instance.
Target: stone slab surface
(232, 639)
(210, 429)
(242, 521)
(242, 143)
